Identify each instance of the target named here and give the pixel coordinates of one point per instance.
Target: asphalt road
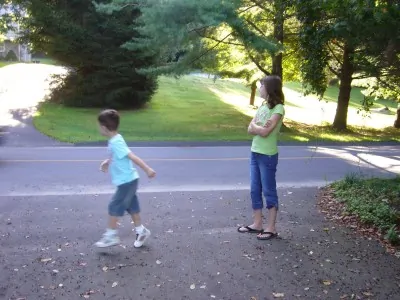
(74, 170)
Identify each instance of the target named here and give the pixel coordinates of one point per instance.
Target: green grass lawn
(5, 63)
(181, 110)
(191, 108)
(47, 61)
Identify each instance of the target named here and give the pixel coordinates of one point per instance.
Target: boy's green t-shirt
(267, 145)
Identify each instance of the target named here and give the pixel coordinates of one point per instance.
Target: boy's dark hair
(109, 118)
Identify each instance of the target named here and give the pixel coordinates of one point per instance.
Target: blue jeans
(263, 180)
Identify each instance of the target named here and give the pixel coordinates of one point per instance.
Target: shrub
(11, 56)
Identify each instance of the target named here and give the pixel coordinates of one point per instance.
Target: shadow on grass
(356, 96)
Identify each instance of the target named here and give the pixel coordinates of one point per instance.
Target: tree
(336, 36)
(240, 38)
(102, 74)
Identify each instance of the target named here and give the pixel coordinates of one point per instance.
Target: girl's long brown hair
(273, 86)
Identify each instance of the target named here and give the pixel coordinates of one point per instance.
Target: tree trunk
(397, 122)
(253, 92)
(346, 77)
(279, 8)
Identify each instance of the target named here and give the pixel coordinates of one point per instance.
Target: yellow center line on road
(157, 159)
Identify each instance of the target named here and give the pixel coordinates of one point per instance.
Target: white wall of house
(22, 51)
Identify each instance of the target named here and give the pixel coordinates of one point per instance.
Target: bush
(11, 56)
(117, 89)
(375, 201)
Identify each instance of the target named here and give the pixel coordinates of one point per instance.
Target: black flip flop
(271, 235)
(249, 230)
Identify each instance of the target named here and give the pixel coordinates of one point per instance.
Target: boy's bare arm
(104, 165)
(139, 162)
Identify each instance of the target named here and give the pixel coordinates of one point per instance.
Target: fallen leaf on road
(278, 295)
(60, 285)
(212, 296)
(114, 284)
(203, 287)
(327, 282)
(83, 264)
(105, 269)
(45, 259)
(192, 286)
(306, 289)
(55, 271)
(158, 262)
(170, 231)
(344, 297)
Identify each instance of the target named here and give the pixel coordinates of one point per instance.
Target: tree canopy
(349, 39)
(102, 73)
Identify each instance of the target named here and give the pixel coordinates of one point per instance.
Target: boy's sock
(139, 229)
(111, 232)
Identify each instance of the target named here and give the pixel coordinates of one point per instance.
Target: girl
(265, 127)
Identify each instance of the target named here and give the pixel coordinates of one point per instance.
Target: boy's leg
(136, 219)
(116, 209)
(112, 222)
(142, 233)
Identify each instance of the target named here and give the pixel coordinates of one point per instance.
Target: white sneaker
(141, 238)
(107, 241)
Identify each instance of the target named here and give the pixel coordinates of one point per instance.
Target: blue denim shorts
(125, 200)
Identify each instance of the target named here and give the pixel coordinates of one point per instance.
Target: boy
(125, 177)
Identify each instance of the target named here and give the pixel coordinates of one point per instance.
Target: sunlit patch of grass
(6, 63)
(325, 133)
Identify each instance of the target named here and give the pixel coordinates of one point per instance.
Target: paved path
(73, 170)
(53, 208)
(22, 88)
(47, 253)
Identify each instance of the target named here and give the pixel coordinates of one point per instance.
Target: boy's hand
(151, 173)
(104, 166)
